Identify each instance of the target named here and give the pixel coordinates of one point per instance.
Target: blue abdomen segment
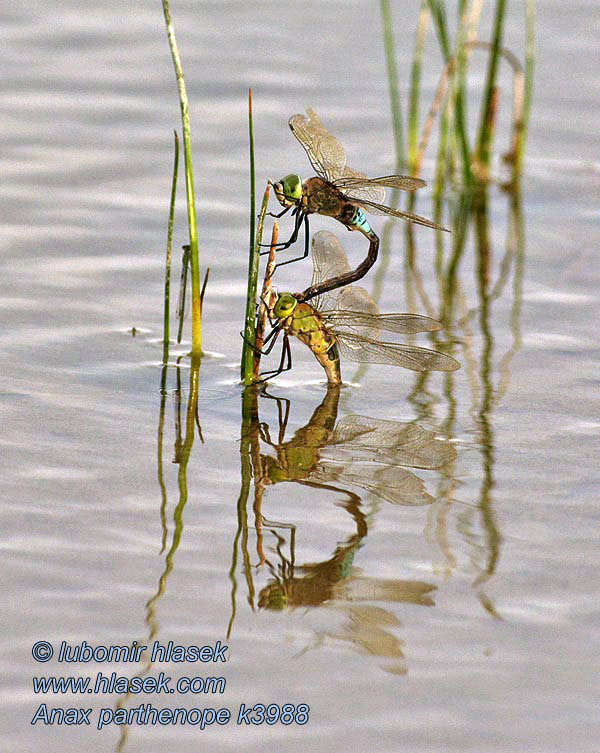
(360, 222)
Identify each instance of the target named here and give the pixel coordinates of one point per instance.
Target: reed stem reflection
(182, 453)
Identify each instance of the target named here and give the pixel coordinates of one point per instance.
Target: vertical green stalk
(457, 98)
(529, 67)
(460, 87)
(253, 263)
(441, 26)
(252, 171)
(250, 323)
(392, 71)
(484, 139)
(189, 182)
(415, 89)
(167, 296)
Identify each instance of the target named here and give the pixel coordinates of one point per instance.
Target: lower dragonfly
(339, 192)
(348, 324)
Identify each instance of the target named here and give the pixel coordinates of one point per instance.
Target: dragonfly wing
(359, 312)
(326, 154)
(375, 208)
(390, 442)
(361, 186)
(329, 260)
(364, 350)
(406, 324)
(389, 482)
(372, 189)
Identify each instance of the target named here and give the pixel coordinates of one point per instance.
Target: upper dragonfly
(338, 192)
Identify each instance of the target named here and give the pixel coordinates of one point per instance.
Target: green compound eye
(286, 303)
(292, 187)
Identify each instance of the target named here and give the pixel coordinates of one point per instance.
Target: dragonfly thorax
(288, 190)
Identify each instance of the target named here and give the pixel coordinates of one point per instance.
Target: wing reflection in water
(347, 456)
(369, 453)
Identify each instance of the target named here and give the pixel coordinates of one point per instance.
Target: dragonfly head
(288, 190)
(285, 305)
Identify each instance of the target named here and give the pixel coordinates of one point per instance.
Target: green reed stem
(415, 88)
(457, 99)
(392, 73)
(167, 296)
(250, 325)
(189, 182)
(253, 262)
(460, 87)
(529, 68)
(484, 139)
(438, 13)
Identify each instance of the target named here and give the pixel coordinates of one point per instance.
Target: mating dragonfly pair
(348, 323)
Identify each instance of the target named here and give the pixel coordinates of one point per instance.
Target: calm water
(435, 593)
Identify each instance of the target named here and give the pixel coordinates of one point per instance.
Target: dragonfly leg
(277, 216)
(306, 246)
(283, 424)
(283, 415)
(286, 354)
(348, 277)
(272, 336)
(293, 237)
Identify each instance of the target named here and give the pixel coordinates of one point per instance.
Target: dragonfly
(347, 323)
(337, 191)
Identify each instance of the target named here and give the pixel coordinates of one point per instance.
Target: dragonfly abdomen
(354, 218)
(309, 328)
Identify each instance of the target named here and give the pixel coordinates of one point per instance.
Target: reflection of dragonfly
(336, 579)
(348, 323)
(369, 453)
(338, 192)
(328, 454)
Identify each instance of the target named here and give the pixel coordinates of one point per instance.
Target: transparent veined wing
(362, 313)
(375, 208)
(364, 350)
(405, 324)
(357, 313)
(326, 154)
(362, 187)
(389, 482)
(390, 442)
(329, 260)
(369, 622)
(352, 309)
(373, 189)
